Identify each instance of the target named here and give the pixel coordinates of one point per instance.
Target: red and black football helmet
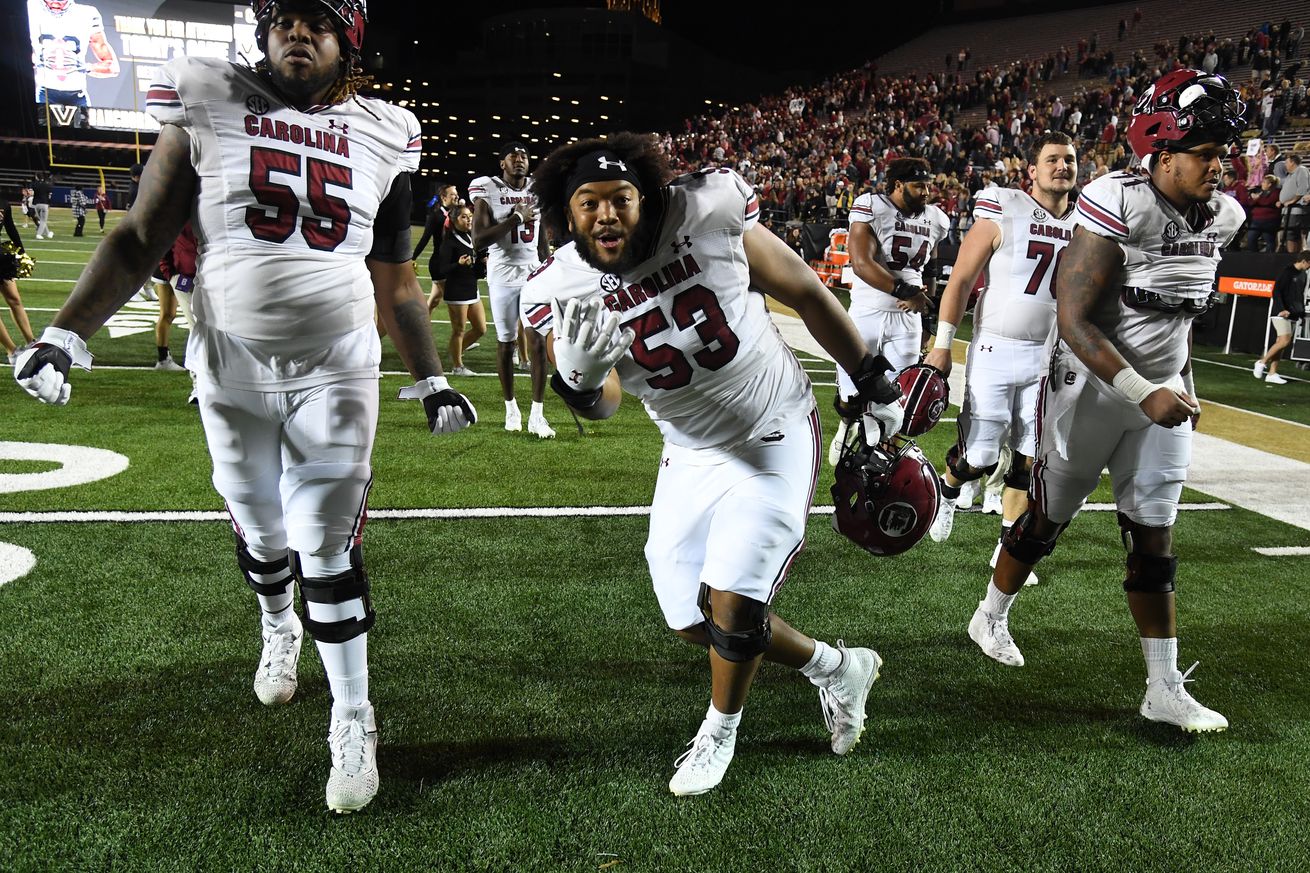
(885, 496)
(1184, 109)
(925, 394)
(350, 17)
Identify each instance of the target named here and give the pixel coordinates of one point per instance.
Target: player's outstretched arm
(116, 270)
(779, 272)
(975, 251)
(106, 65)
(128, 253)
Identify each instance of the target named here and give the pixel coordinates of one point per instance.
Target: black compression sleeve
(391, 242)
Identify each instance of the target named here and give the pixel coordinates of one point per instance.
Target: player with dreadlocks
(299, 195)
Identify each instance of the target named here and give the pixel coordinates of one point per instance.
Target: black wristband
(872, 383)
(903, 290)
(576, 399)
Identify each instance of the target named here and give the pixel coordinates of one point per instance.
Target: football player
(62, 32)
(298, 188)
(658, 294)
(892, 237)
(1018, 239)
(1118, 390)
(505, 222)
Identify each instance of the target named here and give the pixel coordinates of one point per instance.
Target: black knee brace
(960, 468)
(1151, 574)
(250, 564)
(349, 585)
(1025, 548)
(738, 646)
(1020, 475)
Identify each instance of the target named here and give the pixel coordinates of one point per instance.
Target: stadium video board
(93, 61)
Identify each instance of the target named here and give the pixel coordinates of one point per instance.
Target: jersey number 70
(326, 228)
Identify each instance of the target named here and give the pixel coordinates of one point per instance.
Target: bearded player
(299, 194)
(658, 295)
(1119, 390)
(505, 222)
(1018, 239)
(891, 240)
(63, 32)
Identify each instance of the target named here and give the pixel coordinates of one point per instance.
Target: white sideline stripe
(1247, 369)
(1260, 481)
(1282, 551)
(407, 514)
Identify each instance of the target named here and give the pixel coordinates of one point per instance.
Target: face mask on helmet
(1184, 109)
(885, 496)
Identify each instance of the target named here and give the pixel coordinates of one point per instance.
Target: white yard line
(1283, 551)
(88, 516)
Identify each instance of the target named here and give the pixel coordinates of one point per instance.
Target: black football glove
(448, 411)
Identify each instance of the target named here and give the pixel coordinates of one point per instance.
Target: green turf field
(531, 703)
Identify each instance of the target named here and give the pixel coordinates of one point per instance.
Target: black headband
(601, 165)
(912, 173)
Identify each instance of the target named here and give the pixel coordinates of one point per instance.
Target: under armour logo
(984, 348)
(686, 241)
(575, 377)
(664, 462)
(332, 125)
(606, 163)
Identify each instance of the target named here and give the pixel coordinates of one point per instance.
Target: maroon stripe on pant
(816, 438)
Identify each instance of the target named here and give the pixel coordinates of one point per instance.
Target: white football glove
(448, 411)
(887, 416)
(42, 369)
(588, 342)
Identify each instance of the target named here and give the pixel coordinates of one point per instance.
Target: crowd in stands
(810, 151)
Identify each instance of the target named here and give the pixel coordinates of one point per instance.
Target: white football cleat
(838, 442)
(992, 634)
(843, 698)
(1258, 370)
(538, 426)
(996, 553)
(968, 493)
(1167, 700)
(1275, 379)
(461, 371)
(168, 365)
(275, 680)
(992, 504)
(944, 522)
(702, 766)
(353, 740)
(513, 420)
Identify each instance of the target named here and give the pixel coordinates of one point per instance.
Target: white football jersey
(707, 361)
(905, 244)
(1018, 297)
(1167, 253)
(514, 255)
(283, 218)
(60, 43)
